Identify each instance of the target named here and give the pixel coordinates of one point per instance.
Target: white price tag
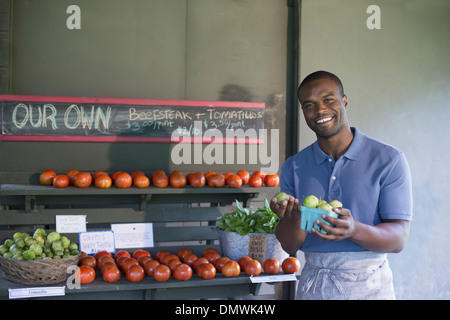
(274, 278)
(70, 223)
(36, 292)
(133, 235)
(94, 241)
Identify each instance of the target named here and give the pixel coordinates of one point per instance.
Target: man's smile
(324, 120)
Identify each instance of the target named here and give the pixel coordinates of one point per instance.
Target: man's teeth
(324, 120)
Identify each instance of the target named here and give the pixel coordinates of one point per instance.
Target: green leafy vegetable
(244, 221)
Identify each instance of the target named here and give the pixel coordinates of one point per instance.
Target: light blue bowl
(311, 215)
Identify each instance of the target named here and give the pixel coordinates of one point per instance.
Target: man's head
(324, 103)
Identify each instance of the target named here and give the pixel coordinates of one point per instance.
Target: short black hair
(321, 75)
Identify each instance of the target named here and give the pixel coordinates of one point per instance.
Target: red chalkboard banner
(82, 119)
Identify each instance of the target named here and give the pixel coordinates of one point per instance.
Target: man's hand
(344, 225)
(289, 210)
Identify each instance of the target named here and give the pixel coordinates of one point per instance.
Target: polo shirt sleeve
(395, 201)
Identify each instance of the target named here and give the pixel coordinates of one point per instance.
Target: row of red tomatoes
(181, 265)
(158, 178)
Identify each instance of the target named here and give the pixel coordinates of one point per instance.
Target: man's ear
(344, 99)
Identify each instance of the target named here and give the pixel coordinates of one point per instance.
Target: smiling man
(371, 179)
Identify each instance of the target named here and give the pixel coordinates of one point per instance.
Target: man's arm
(389, 236)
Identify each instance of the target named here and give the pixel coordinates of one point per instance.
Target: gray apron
(361, 275)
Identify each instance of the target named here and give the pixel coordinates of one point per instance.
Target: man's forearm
(290, 235)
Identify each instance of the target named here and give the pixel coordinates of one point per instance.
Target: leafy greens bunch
(244, 221)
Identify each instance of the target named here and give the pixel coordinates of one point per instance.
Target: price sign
(94, 241)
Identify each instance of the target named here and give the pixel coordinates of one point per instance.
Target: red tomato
(226, 175)
(101, 253)
(183, 252)
(219, 263)
(71, 174)
(156, 172)
(135, 273)
(189, 259)
(106, 265)
(168, 257)
(149, 267)
(46, 177)
(160, 180)
(123, 180)
(173, 263)
(121, 253)
(234, 181)
(111, 274)
(141, 182)
(271, 180)
(98, 173)
(137, 173)
(208, 250)
(161, 273)
(207, 174)
(120, 261)
(140, 252)
(177, 180)
(231, 269)
(271, 266)
(197, 180)
(206, 271)
(82, 180)
(290, 265)
(61, 181)
(102, 259)
(103, 181)
(212, 256)
(161, 254)
(88, 261)
(243, 260)
(114, 176)
(216, 180)
(260, 173)
(255, 181)
(143, 259)
(85, 274)
(199, 262)
(252, 268)
(128, 263)
(182, 272)
(245, 176)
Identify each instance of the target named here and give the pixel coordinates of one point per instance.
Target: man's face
(323, 107)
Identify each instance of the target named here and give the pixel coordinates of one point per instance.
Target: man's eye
(308, 105)
(328, 100)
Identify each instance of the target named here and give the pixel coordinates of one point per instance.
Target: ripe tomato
(141, 182)
(123, 180)
(189, 259)
(198, 262)
(106, 265)
(260, 173)
(149, 267)
(111, 274)
(206, 271)
(161, 273)
(46, 177)
(177, 180)
(103, 181)
(120, 261)
(85, 274)
(98, 173)
(88, 261)
(61, 181)
(219, 263)
(103, 259)
(128, 263)
(243, 260)
(182, 272)
(231, 269)
(271, 266)
(158, 171)
(226, 175)
(252, 268)
(216, 180)
(271, 180)
(173, 263)
(143, 259)
(161, 254)
(121, 253)
(140, 252)
(135, 273)
(183, 252)
(82, 180)
(137, 173)
(290, 265)
(168, 257)
(207, 250)
(160, 180)
(197, 180)
(234, 181)
(245, 176)
(207, 174)
(212, 256)
(114, 176)
(71, 174)
(101, 253)
(255, 181)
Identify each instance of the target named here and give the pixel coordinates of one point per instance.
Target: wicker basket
(37, 272)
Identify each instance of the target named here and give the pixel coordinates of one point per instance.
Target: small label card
(133, 235)
(274, 278)
(94, 241)
(36, 292)
(257, 247)
(70, 224)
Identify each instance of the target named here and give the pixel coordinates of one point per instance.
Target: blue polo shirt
(372, 180)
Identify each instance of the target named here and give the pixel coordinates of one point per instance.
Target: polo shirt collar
(353, 152)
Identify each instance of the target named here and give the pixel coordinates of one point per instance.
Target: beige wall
(398, 84)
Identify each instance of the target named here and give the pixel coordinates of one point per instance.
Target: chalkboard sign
(45, 118)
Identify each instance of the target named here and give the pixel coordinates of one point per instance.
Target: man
(370, 178)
